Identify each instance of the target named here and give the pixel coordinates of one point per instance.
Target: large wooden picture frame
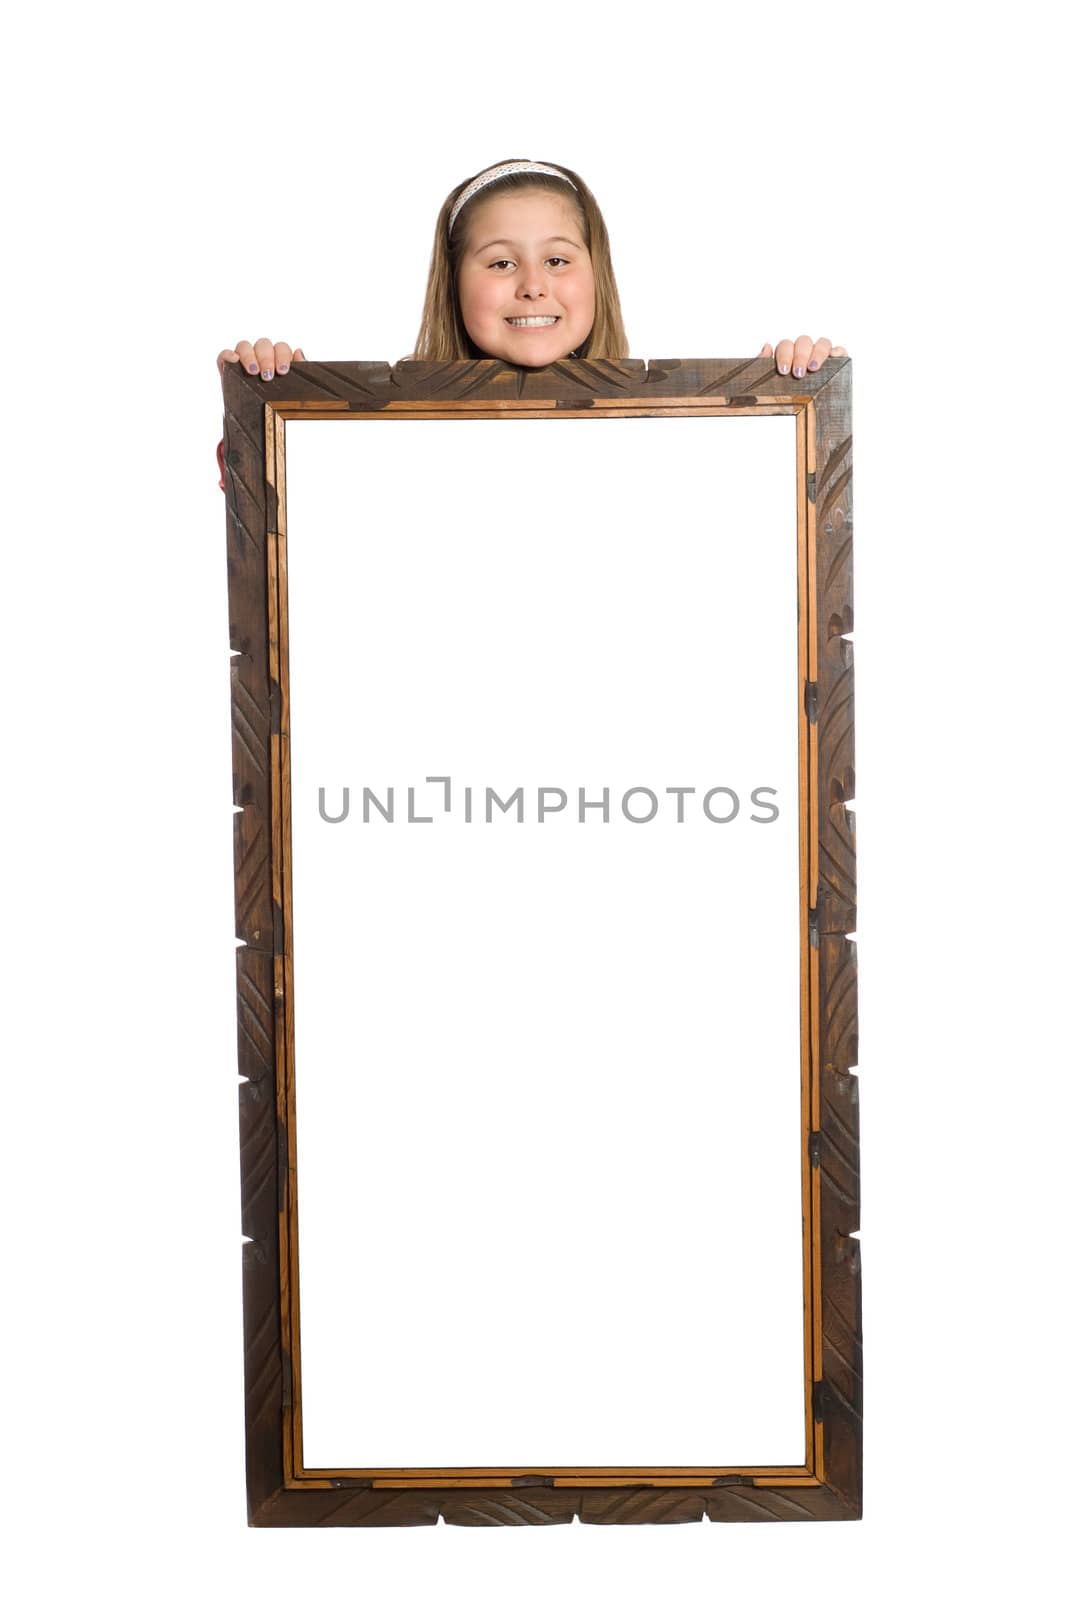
(281, 1491)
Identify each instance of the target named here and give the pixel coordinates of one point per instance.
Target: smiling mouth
(531, 322)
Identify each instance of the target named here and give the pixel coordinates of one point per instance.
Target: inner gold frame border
(280, 1491)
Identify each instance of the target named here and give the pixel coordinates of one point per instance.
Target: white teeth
(532, 322)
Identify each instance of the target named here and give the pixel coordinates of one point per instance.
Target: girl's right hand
(264, 357)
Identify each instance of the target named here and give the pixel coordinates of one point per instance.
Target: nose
(532, 283)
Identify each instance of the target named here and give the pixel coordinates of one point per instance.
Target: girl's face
(525, 258)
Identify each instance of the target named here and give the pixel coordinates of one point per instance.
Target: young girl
(520, 271)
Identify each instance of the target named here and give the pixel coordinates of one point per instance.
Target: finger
(818, 353)
(223, 357)
(766, 351)
(265, 351)
(246, 355)
(298, 356)
(803, 349)
(283, 357)
(838, 351)
(784, 354)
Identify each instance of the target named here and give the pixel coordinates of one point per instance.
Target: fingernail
(798, 371)
(252, 367)
(783, 369)
(266, 372)
(281, 370)
(813, 365)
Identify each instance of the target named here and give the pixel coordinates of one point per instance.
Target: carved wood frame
(280, 1491)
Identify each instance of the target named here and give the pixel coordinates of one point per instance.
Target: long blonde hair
(442, 335)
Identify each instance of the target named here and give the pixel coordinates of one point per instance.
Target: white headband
(500, 172)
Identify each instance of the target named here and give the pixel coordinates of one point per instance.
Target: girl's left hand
(800, 356)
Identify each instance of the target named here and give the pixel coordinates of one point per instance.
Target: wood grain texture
(376, 386)
(403, 1508)
(821, 400)
(839, 1398)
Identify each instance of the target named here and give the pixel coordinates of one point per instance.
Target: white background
(597, 1022)
(908, 182)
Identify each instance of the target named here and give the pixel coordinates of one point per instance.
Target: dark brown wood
(404, 1508)
(840, 1389)
(280, 1491)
